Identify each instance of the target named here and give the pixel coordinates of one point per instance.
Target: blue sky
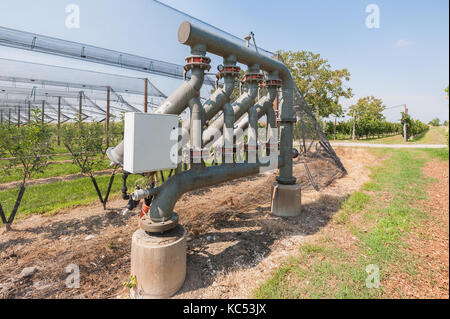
(406, 60)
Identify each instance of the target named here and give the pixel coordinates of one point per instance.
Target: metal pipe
(228, 125)
(240, 107)
(197, 116)
(169, 193)
(190, 34)
(217, 99)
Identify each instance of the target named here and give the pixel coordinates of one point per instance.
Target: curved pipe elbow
(171, 191)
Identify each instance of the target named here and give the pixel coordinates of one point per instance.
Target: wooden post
(59, 120)
(9, 116)
(145, 95)
(404, 125)
(43, 112)
(1, 116)
(29, 112)
(18, 117)
(108, 111)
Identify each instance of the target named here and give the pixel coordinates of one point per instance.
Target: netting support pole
(59, 121)
(405, 136)
(108, 110)
(18, 117)
(145, 95)
(1, 116)
(9, 116)
(29, 112)
(80, 106)
(43, 112)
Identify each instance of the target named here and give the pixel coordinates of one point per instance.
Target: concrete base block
(286, 200)
(159, 263)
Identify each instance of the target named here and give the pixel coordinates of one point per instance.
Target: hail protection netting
(320, 161)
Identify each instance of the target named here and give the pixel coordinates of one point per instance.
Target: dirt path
(428, 243)
(233, 238)
(373, 145)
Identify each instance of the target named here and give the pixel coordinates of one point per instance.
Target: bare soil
(428, 243)
(234, 242)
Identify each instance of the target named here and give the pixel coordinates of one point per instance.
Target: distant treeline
(372, 129)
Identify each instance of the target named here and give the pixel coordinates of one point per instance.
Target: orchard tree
(85, 142)
(434, 122)
(28, 149)
(321, 85)
(366, 114)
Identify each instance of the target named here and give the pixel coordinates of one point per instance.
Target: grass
(50, 198)
(58, 196)
(435, 135)
(53, 170)
(387, 205)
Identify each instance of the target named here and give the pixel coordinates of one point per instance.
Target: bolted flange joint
(228, 70)
(273, 83)
(197, 61)
(253, 77)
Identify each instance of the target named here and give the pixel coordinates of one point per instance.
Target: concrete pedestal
(286, 200)
(159, 263)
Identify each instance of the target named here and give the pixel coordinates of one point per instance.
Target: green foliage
(131, 283)
(321, 85)
(413, 127)
(27, 147)
(434, 122)
(84, 141)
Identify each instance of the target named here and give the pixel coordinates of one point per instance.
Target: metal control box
(151, 142)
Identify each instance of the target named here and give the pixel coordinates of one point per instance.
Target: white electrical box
(151, 142)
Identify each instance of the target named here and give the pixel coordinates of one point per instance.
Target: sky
(404, 61)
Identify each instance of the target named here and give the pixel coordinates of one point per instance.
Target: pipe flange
(273, 83)
(152, 227)
(253, 77)
(197, 61)
(229, 70)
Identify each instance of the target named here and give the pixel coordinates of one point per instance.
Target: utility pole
(404, 125)
(145, 95)
(108, 110)
(59, 120)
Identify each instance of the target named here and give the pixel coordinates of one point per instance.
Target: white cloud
(403, 43)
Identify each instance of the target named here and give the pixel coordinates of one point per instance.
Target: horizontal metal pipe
(169, 193)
